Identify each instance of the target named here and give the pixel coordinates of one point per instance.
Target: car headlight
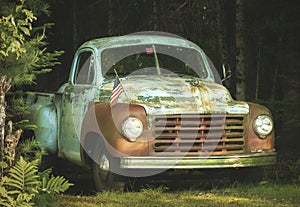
(263, 125)
(132, 128)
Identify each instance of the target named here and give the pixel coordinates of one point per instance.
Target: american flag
(117, 90)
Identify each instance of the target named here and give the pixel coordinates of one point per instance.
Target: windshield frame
(163, 49)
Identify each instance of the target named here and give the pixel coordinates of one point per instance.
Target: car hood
(176, 95)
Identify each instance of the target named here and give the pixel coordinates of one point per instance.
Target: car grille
(196, 135)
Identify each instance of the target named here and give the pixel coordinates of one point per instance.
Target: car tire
(103, 164)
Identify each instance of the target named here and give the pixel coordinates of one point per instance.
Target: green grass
(265, 194)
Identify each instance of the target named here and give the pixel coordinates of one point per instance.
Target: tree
(23, 55)
(23, 51)
(240, 47)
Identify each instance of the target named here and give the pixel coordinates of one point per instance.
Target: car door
(77, 94)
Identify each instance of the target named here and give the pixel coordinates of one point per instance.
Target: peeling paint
(171, 95)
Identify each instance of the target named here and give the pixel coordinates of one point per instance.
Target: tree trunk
(221, 31)
(258, 67)
(240, 47)
(110, 18)
(5, 85)
(10, 141)
(155, 15)
(75, 30)
(280, 52)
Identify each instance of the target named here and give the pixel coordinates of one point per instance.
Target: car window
(85, 70)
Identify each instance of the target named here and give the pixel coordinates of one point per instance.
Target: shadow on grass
(181, 180)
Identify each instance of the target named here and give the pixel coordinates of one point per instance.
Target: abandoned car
(137, 105)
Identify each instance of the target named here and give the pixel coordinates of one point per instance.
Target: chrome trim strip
(201, 162)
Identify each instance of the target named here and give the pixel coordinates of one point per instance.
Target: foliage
(23, 52)
(22, 185)
(23, 56)
(14, 29)
(51, 184)
(29, 149)
(45, 200)
(24, 182)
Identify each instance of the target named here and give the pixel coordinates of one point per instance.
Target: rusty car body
(173, 113)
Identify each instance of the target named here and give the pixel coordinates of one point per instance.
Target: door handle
(69, 95)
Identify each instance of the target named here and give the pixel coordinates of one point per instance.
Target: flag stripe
(116, 94)
(117, 91)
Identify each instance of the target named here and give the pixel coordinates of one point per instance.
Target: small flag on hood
(117, 90)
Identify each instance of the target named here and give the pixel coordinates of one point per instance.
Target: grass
(209, 188)
(264, 194)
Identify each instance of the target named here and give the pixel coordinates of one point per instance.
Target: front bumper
(202, 162)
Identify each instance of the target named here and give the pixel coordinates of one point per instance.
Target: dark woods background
(259, 39)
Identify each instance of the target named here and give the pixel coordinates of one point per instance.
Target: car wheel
(104, 178)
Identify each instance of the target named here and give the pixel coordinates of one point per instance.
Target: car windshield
(152, 59)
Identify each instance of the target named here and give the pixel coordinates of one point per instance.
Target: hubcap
(104, 166)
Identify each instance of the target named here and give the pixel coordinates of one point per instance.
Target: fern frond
(13, 184)
(10, 202)
(24, 182)
(45, 173)
(6, 204)
(3, 165)
(13, 192)
(3, 192)
(56, 184)
(25, 197)
(23, 177)
(2, 203)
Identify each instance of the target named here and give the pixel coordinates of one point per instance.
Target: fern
(23, 177)
(55, 184)
(51, 184)
(23, 183)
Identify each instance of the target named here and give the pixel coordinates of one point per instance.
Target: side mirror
(226, 72)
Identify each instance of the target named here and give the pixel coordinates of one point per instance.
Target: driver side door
(77, 94)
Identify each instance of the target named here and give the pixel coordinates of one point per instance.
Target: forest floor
(175, 190)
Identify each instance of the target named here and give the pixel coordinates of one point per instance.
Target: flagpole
(121, 85)
(156, 60)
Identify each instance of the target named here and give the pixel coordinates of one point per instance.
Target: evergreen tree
(23, 51)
